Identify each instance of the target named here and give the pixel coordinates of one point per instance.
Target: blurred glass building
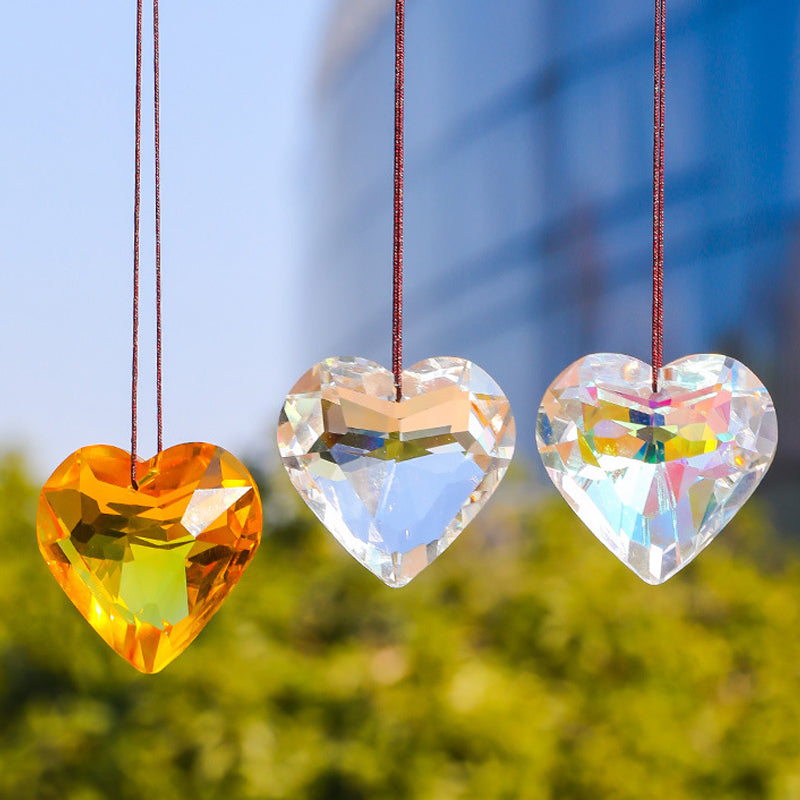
(529, 186)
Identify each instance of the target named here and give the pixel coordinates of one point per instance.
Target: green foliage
(526, 664)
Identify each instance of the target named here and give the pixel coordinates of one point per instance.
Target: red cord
(157, 142)
(399, 122)
(137, 198)
(137, 202)
(658, 188)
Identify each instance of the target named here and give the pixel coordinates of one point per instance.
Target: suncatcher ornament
(148, 550)
(396, 464)
(656, 460)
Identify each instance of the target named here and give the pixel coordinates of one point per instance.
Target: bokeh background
(526, 663)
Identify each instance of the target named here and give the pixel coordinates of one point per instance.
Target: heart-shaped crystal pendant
(396, 481)
(656, 476)
(148, 567)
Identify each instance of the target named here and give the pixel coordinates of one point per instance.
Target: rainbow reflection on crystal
(656, 477)
(396, 482)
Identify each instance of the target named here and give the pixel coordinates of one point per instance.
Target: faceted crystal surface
(149, 567)
(656, 476)
(396, 482)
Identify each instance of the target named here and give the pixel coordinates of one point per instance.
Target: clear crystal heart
(396, 482)
(657, 476)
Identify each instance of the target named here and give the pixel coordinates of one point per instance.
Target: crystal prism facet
(396, 482)
(148, 567)
(656, 477)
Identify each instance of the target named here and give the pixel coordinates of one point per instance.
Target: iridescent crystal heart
(396, 482)
(149, 566)
(656, 477)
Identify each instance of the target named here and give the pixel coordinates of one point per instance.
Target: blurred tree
(526, 664)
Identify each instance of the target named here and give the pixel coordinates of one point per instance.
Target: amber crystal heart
(396, 481)
(148, 567)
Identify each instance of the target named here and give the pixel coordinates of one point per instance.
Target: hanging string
(137, 202)
(659, 70)
(157, 143)
(399, 143)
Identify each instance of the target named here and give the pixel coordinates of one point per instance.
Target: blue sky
(236, 118)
